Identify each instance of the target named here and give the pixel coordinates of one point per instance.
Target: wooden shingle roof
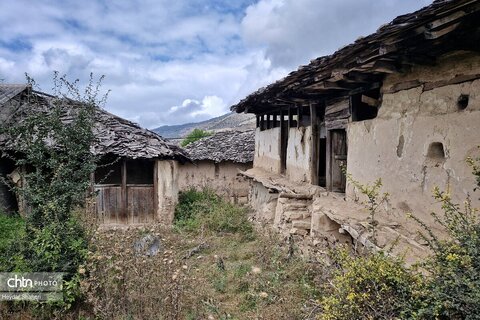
(416, 38)
(113, 134)
(236, 146)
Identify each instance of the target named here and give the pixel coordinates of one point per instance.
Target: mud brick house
(217, 160)
(136, 180)
(402, 104)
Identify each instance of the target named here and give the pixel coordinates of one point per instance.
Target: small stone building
(401, 104)
(136, 180)
(217, 160)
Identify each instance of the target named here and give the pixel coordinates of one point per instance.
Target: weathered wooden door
(338, 153)
(129, 197)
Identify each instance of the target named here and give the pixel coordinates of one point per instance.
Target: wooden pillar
(329, 161)
(268, 121)
(155, 191)
(274, 120)
(262, 122)
(290, 117)
(299, 116)
(258, 121)
(314, 162)
(123, 213)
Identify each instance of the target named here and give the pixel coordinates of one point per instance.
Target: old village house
(401, 104)
(136, 180)
(217, 160)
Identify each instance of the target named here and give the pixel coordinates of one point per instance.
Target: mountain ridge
(238, 121)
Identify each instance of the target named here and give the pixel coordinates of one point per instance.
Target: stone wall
(220, 177)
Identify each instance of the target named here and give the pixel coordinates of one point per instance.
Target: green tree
(51, 142)
(195, 135)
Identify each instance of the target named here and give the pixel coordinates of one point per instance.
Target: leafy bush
(454, 268)
(55, 162)
(378, 286)
(11, 227)
(371, 286)
(207, 211)
(195, 135)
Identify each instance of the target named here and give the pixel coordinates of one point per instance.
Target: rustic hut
(136, 178)
(217, 160)
(401, 104)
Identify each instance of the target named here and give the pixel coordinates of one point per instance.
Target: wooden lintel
(456, 80)
(370, 101)
(406, 85)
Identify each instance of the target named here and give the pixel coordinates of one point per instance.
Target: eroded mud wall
(421, 137)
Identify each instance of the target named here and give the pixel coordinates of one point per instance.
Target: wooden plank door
(338, 160)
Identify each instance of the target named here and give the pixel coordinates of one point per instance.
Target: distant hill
(239, 121)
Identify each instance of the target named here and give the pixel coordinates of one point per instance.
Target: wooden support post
(299, 116)
(155, 191)
(314, 160)
(274, 120)
(123, 213)
(290, 117)
(268, 121)
(282, 120)
(262, 122)
(258, 121)
(329, 161)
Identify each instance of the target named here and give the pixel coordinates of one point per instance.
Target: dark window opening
(436, 151)
(140, 171)
(462, 102)
(365, 105)
(109, 171)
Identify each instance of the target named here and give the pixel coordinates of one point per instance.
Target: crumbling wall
(420, 138)
(299, 152)
(267, 149)
(220, 177)
(167, 190)
(264, 201)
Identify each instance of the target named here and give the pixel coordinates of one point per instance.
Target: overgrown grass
(213, 265)
(11, 227)
(206, 211)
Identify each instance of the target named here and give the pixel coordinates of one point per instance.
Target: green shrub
(11, 227)
(372, 286)
(204, 210)
(453, 290)
(195, 135)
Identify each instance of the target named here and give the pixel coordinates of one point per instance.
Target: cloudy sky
(178, 61)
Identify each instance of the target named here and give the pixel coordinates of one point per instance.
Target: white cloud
(292, 32)
(159, 55)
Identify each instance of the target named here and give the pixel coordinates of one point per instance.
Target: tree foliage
(195, 135)
(52, 146)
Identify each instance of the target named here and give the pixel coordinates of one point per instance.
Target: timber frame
(347, 86)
